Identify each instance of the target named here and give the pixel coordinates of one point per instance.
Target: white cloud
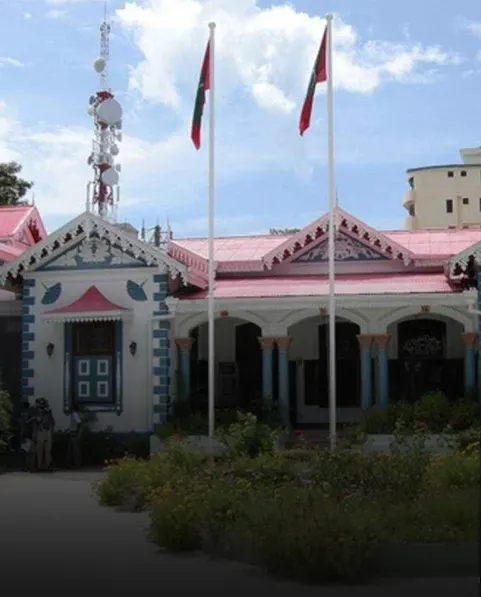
(27, 15)
(56, 14)
(7, 61)
(473, 27)
(268, 51)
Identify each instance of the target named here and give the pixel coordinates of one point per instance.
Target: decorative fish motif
(52, 294)
(136, 291)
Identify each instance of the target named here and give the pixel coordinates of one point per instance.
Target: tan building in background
(446, 196)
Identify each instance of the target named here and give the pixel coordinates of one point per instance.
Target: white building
(447, 196)
(117, 325)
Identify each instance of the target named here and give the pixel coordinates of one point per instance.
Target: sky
(407, 81)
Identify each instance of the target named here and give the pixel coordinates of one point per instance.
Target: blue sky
(407, 79)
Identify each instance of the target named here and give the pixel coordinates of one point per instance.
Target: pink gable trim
(350, 226)
(92, 301)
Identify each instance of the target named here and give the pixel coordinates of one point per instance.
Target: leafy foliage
(6, 408)
(12, 188)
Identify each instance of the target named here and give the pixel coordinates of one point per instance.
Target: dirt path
(56, 538)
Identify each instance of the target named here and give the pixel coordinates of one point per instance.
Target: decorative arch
(298, 316)
(199, 318)
(412, 312)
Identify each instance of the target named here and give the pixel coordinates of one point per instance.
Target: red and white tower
(103, 191)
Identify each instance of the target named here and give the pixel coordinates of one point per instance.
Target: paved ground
(54, 537)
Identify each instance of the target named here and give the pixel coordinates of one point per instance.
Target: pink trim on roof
(92, 301)
(319, 286)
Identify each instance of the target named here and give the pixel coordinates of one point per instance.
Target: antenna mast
(103, 191)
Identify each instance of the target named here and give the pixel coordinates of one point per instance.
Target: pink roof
(11, 251)
(92, 301)
(11, 218)
(319, 286)
(234, 248)
(423, 243)
(427, 243)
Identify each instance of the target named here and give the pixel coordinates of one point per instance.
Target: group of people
(36, 436)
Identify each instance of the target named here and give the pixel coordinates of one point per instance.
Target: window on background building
(412, 210)
(411, 182)
(450, 174)
(465, 200)
(449, 206)
(464, 173)
(480, 204)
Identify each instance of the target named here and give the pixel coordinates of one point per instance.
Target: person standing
(75, 429)
(26, 440)
(44, 439)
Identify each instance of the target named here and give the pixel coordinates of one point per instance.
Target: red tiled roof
(234, 248)
(427, 243)
(92, 301)
(392, 283)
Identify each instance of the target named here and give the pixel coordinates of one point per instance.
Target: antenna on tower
(103, 191)
(142, 230)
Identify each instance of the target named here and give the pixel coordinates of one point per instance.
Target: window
(411, 182)
(412, 210)
(480, 204)
(450, 174)
(95, 338)
(449, 206)
(464, 173)
(465, 200)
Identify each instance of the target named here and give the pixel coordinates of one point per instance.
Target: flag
(319, 75)
(204, 85)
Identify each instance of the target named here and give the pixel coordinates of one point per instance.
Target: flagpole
(332, 240)
(211, 273)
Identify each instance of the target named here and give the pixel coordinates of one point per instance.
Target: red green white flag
(319, 75)
(204, 85)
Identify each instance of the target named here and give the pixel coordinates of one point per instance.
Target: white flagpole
(211, 275)
(332, 240)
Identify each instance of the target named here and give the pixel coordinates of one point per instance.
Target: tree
(283, 231)
(12, 187)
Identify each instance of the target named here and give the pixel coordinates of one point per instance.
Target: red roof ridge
(229, 236)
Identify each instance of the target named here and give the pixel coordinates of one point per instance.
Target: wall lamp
(133, 348)
(50, 348)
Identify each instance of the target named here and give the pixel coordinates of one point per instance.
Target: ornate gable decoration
(67, 238)
(350, 228)
(345, 249)
(94, 253)
(459, 264)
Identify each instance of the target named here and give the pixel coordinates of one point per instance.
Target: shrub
(433, 410)
(306, 537)
(248, 437)
(456, 470)
(464, 415)
(6, 408)
(126, 485)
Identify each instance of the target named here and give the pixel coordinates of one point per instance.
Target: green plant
(433, 410)
(6, 409)
(247, 436)
(465, 413)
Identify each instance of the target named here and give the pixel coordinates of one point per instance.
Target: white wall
(431, 189)
(137, 371)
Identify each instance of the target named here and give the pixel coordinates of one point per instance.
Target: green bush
(306, 537)
(248, 437)
(433, 410)
(456, 470)
(5, 419)
(464, 415)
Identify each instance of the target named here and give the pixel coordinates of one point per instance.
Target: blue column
(283, 348)
(267, 345)
(184, 344)
(365, 342)
(469, 340)
(382, 341)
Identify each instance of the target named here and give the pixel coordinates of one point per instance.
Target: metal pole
(332, 240)
(211, 274)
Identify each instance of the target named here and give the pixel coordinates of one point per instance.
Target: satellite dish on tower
(90, 110)
(99, 65)
(114, 150)
(109, 111)
(110, 177)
